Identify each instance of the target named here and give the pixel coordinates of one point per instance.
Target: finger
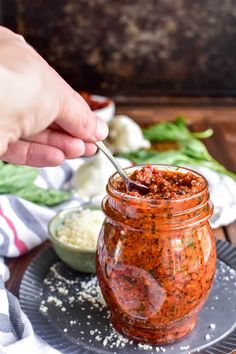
(33, 154)
(90, 149)
(56, 127)
(6, 33)
(71, 147)
(78, 120)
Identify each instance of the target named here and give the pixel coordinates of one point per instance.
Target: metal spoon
(130, 185)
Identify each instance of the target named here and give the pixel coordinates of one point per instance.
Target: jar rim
(153, 201)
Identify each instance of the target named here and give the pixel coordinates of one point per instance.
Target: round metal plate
(56, 329)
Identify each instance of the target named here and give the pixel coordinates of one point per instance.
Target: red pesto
(93, 104)
(156, 254)
(164, 184)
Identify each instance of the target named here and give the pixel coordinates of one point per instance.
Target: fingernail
(101, 129)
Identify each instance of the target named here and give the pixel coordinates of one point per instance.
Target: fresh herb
(191, 152)
(173, 131)
(195, 149)
(42, 196)
(19, 180)
(13, 177)
(177, 158)
(170, 157)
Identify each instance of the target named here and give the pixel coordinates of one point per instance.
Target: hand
(42, 119)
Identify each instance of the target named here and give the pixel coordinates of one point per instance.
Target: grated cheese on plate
(81, 229)
(91, 320)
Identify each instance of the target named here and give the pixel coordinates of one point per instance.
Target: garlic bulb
(125, 135)
(91, 178)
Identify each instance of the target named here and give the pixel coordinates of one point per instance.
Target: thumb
(78, 120)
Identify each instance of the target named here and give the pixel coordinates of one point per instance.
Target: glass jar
(156, 261)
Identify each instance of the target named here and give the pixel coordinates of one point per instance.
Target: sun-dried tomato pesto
(156, 254)
(93, 103)
(164, 184)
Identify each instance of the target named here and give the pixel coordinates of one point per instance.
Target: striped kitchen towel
(16, 332)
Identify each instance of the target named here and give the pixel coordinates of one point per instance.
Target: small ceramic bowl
(106, 113)
(81, 260)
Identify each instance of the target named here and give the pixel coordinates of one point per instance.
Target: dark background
(135, 48)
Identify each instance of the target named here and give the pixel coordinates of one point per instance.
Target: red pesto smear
(93, 104)
(164, 184)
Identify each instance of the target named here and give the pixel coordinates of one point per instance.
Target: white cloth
(223, 195)
(23, 225)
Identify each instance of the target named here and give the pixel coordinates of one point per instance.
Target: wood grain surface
(200, 113)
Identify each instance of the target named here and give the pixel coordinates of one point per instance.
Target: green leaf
(170, 157)
(13, 177)
(166, 131)
(203, 135)
(139, 156)
(195, 148)
(191, 150)
(177, 158)
(19, 180)
(39, 195)
(173, 131)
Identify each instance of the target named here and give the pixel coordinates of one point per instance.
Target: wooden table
(219, 114)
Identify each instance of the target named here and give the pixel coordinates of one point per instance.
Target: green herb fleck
(190, 243)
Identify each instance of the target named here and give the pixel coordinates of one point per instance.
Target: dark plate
(69, 326)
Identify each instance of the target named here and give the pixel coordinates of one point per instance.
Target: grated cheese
(81, 229)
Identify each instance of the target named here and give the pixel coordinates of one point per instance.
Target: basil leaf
(165, 131)
(173, 131)
(19, 180)
(195, 149)
(177, 158)
(13, 177)
(42, 196)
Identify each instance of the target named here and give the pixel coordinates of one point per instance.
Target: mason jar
(156, 260)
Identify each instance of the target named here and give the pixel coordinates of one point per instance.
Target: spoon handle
(115, 163)
(130, 185)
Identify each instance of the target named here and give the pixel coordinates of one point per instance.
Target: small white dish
(108, 112)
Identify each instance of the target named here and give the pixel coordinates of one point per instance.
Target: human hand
(42, 119)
